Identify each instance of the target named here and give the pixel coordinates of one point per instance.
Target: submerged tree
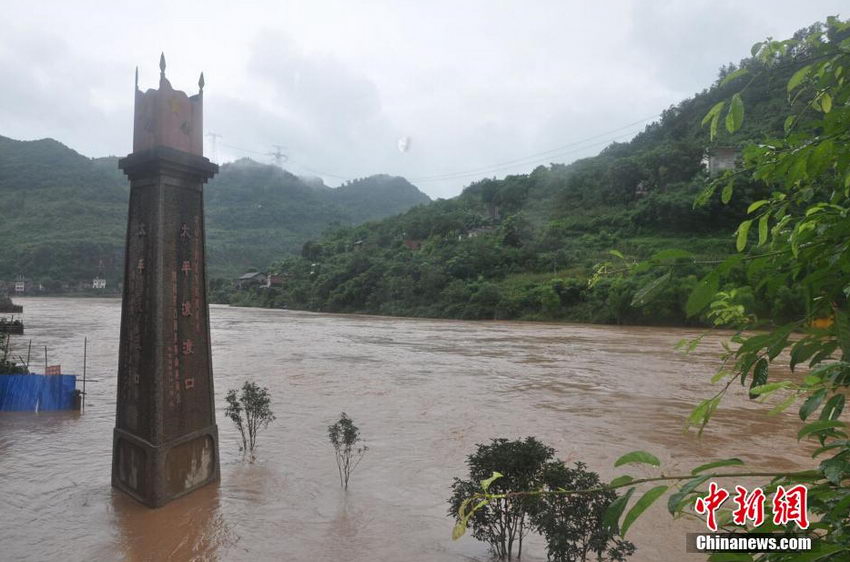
(503, 523)
(572, 526)
(250, 411)
(344, 436)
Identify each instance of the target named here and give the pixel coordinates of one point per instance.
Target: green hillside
(63, 214)
(525, 246)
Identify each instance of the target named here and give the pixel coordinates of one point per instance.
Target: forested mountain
(525, 246)
(63, 214)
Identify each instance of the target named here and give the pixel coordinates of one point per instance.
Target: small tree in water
(344, 437)
(572, 525)
(250, 411)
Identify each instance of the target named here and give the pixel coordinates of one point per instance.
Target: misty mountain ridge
(63, 214)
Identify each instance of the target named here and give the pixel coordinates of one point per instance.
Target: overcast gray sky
(477, 86)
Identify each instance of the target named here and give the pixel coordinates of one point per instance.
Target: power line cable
(503, 167)
(536, 156)
(461, 174)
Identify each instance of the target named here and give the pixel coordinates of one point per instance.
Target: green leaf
(767, 389)
(743, 231)
(638, 457)
(735, 115)
(811, 404)
(461, 511)
(726, 194)
(640, 506)
(818, 426)
(459, 530)
(729, 77)
(612, 515)
(833, 408)
(717, 464)
(702, 294)
(789, 122)
(759, 376)
(486, 483)
(702, 413)
(834, 469)
(650, 290)
(675, 499)
(716, 109)
(798, 77)
(713, 117)
(801, 351)
(719, 375)
(826, 102)
(617, 254)
(763, 230)
(620, 481)
(756, 205)
(782, 406)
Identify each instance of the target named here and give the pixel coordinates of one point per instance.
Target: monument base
(156, 474)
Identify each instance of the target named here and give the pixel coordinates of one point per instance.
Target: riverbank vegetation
(794, 239)
(526, 246)
(63, 217)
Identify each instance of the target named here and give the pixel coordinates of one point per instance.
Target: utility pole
(214, 137)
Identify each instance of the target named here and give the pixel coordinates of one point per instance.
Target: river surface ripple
(423, 393)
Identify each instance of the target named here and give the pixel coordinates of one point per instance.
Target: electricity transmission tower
(214, 137)
(278, 156)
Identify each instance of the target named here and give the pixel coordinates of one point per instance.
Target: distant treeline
(525, 246)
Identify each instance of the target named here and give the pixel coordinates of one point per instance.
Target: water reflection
(190, 528)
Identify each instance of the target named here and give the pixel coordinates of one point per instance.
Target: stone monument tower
(165, 442)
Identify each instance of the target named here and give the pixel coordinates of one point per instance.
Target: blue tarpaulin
(35, 392)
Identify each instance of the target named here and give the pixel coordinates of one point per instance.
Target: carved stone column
(165, 442)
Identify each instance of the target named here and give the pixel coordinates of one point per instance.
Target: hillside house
(98, 283)
(719, 159)
(251, 279)
(21, 285)
(479, 230)
(273, 280)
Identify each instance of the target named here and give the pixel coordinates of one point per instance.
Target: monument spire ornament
(165, 442)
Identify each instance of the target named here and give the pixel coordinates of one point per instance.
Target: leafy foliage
(8, 364)
(794, 241)
(801, 248)
(572, 526)
(344, 437)
(250, 410)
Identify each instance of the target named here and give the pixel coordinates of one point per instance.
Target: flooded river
(423, 393)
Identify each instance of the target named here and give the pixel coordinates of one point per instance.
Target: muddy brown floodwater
(423, 392)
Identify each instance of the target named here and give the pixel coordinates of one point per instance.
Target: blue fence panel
(37, 392)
